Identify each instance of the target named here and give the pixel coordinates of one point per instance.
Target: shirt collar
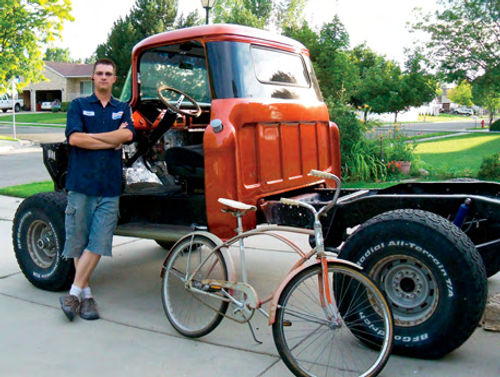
(113, 101)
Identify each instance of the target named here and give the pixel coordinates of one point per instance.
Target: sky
(379, 23)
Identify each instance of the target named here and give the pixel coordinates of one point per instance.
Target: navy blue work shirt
(96, 172)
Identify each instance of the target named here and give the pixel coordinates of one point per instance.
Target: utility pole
(14, 97)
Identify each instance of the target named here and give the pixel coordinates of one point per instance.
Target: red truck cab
(261, 88)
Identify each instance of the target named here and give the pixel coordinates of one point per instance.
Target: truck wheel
(17, 108)
(431, 273)
(38, 235)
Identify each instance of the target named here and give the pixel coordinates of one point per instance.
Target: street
(134, 338)
(134, 333)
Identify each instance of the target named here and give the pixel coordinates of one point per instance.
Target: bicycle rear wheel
(192, 313)
(312, 345)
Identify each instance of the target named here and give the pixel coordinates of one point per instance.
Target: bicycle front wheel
(192, 313)
(311, 344)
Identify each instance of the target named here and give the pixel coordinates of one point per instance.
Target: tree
(461, 94)
(328, 50)
(25, 25)
(486, 94)
(146, 18)
(57, 54)
(255, 13)
(389, 89)
(464, 37)
(260, 13)
(370, 67)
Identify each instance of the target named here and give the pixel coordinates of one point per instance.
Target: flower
(400, 148)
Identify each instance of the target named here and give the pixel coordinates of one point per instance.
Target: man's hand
(123, 125)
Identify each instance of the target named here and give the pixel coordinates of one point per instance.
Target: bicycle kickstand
(253, 333)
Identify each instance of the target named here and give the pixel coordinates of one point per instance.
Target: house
(65, 82)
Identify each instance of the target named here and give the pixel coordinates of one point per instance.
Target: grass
(445, 118)
(368, 185)
(432, 134)
(23, 191)
(38, 118)
(458, 154)
(2, 137)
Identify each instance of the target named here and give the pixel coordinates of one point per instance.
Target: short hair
(104, 61)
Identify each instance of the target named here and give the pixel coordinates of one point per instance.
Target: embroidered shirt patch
(117, 115)
(88, 113)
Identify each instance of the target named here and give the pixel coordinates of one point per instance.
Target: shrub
(490, 167)
(364, 163)
(400, 148)
(64, 106)
(495, 126)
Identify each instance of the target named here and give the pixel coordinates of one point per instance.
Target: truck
(6, 103)
(235, 112)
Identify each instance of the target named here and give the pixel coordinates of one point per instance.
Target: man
(96, 128)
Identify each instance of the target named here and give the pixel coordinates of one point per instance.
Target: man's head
(104, 75)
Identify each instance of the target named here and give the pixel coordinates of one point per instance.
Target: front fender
(231, 272)
(310, 263)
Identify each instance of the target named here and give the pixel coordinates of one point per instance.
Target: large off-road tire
(38, 235)
(431, 273)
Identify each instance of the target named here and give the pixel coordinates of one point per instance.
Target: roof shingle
(71, 69)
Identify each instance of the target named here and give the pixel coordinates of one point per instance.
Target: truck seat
(187, 164)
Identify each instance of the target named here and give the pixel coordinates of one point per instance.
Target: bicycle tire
(192, 314)
(309, 348)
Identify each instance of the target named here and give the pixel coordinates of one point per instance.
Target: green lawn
(459, 153)
(447, 118)
(23, 191)
(38, 118)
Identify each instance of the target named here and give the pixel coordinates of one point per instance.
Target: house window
(86, 88)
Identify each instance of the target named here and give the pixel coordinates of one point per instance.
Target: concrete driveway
(134, 338)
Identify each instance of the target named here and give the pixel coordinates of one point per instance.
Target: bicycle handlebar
(290, 202)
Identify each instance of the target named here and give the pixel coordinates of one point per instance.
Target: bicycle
(319, 314)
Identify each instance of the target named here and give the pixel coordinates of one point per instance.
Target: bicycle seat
(239, 206)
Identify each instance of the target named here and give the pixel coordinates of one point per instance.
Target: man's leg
(77, 223)
(85, 265)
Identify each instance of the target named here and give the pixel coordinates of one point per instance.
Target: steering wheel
(177, 106)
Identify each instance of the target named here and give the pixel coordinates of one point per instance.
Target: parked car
(51, 105)
(463, 111)
(6, 103)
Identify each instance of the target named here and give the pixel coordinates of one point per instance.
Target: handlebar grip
(290, 202)
(322, 174)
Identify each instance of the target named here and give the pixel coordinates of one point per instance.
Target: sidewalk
(134, 338)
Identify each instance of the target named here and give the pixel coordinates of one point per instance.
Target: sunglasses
(99, 73)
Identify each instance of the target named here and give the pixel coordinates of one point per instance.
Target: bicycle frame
(252, 301)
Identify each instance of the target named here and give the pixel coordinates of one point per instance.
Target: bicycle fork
(326, 295)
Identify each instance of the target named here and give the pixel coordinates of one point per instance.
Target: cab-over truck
(235, 112)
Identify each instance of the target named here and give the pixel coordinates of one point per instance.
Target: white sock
(86, 293)
(75, 291)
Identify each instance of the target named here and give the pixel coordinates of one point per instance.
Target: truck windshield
(181, 66)
(242, 70)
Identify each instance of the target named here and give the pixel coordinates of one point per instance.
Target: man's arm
(86, 141)
(116, 138)
(103, 140)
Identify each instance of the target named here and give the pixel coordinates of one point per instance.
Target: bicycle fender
(274, 302)
(231, 272)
